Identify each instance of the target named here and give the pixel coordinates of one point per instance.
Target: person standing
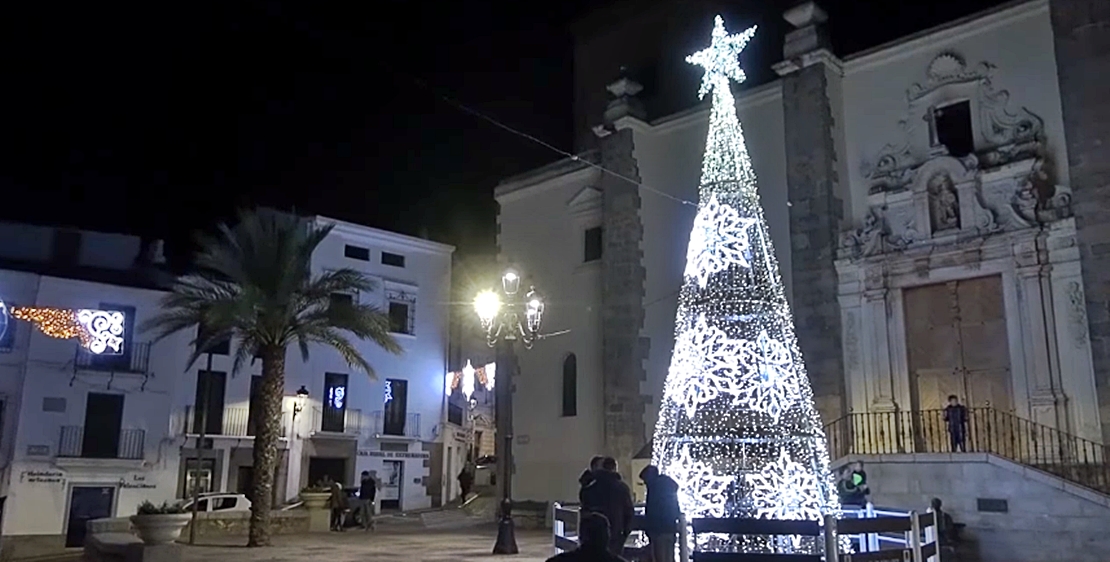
(466, 480)
(661, 513)
(955, 416)
(367, 492)
(593, 533)
(611, 497)
(338, 504)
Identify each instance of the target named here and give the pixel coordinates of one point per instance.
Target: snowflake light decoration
(776, 385)
(704, 366)
(701, 491)
(719, 240)
(786, 489)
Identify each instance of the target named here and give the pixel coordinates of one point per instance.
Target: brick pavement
(473, 544)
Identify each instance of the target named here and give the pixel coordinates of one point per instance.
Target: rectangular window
(254, 407)
(222, 347)
(396, 406)
(103, 424)
(953, 123)
(592, 244)
(454, 413)
(7, 339)
(335, 403)
(356, 253)
(395, 260)
(399, 318)
(208, 407)
(342, 299)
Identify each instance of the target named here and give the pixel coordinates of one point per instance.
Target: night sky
(160, 118)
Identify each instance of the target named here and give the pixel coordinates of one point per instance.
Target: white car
(218, 501)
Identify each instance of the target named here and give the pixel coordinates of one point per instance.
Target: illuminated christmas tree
(738, 429)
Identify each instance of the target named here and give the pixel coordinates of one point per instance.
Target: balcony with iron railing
(136, 359)
(987, 430)
(336, 422)
(407, 426)
(227, 422)
(75, 442)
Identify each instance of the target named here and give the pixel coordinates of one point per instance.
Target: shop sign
(395, 454)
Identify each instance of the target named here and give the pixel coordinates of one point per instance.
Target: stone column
(877, 348)
(624, 348)
(1083, 70)
(1038, 343)
(816, 211)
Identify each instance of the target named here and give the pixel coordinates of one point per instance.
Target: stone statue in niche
(944, 204)
(866, 240)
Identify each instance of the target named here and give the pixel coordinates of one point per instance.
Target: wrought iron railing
(72, 443)
(410, 427)
(337, 422)
(227, 422)
(987, 430)
(135, 359)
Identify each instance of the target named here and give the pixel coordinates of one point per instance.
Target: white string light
(737, 427)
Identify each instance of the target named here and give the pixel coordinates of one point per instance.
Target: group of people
(607, 514)
(340, 504)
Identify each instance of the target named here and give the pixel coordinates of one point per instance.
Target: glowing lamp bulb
(487, 304)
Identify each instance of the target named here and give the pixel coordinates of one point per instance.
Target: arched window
(570, 386)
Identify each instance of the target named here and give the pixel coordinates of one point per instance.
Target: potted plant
(159, 524)
(316, 497)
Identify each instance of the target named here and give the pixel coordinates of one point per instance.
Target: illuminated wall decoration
(99, 331)
(467, 378)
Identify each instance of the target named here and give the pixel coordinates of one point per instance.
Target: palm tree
(253, 284)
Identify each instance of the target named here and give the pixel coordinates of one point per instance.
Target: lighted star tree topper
(737, 428)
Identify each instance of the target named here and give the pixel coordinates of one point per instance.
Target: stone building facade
(935, 203)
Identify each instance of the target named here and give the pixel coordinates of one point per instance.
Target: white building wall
(426, 275)
(541, 234)
(40, 483)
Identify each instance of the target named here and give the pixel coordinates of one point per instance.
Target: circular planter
(315, 500)
(160, 529)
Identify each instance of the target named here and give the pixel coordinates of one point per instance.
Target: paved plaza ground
(473, 544)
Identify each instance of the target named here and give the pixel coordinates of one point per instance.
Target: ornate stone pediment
(1000, 135)
(920, 196)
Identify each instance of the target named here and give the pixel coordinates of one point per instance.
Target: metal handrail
(987, 430)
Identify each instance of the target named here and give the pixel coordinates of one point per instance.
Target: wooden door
(957, 345)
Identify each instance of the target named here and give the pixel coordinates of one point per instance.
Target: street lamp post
(507, 318)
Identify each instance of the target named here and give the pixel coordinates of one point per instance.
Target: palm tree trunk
(266, 442)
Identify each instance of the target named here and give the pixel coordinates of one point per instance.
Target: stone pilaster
(1082, 42)
(622, 320)
(816, 210)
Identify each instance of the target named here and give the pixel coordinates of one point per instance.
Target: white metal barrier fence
(875, 533)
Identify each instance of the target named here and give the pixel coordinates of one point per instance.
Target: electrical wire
(574, 157)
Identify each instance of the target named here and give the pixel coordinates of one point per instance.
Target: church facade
(931, 206)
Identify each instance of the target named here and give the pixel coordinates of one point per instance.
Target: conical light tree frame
(738, 428)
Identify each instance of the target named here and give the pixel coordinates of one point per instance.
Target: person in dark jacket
(587, 478)
(611, 497)
(955, 415)
(593, 536)
(338, 504)
(367, 492)
(466, 481)
(661, 513)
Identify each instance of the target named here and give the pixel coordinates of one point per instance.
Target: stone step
(449, 519)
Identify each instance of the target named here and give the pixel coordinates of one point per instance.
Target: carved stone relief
(917, 195)
(851, 342)
(1077, 313)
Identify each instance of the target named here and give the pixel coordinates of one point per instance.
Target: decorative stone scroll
(920, 195)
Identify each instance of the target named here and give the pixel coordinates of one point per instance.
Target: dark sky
(158, 118)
